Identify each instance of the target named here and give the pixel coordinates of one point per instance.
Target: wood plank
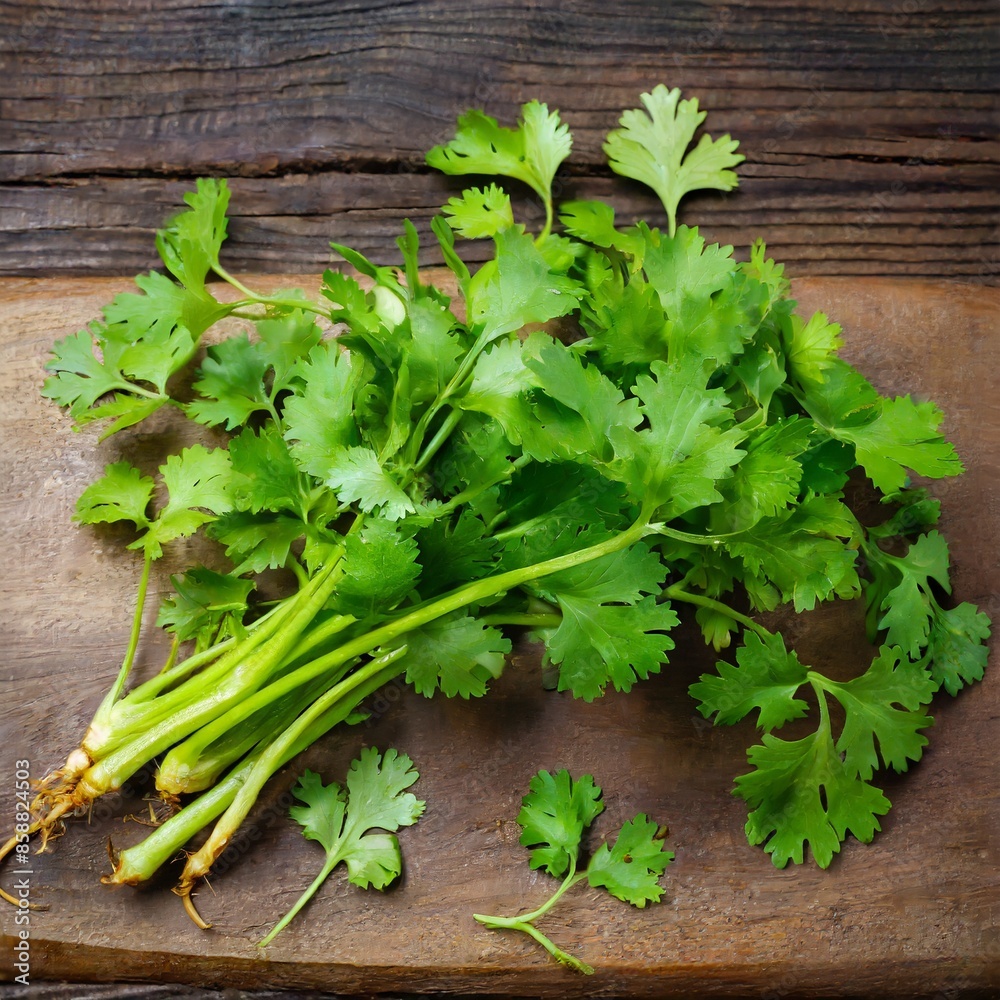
(913, 914)
(106, 225)
(873, 126)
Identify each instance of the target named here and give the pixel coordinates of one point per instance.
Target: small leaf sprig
(554, 815)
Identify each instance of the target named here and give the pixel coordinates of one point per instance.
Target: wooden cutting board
(915, 913)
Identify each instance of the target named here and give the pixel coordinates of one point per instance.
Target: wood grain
(870, 127)
(915, 914)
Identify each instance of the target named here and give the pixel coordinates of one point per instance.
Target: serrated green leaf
(122, 493)
(767, 678)
(652, 146)
(630, 869)
(553, 816)
(457, 655)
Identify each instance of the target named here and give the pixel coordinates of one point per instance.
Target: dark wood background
(870, 131)
(869, 126)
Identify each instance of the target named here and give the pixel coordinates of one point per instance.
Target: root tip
(184, 891)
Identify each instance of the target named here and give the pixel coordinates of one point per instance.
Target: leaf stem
(677, 593)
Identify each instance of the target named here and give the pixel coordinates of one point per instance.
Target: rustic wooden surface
(917, 913)
(869, 127)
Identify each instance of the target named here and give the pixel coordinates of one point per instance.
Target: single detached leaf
(652, 146)
(356, 823)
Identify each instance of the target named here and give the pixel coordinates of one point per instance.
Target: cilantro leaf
(674, 465)
(197, 481)
(190, 244)
(457, 655)
(356, 476)
(532, 152)
(346, 820)
(256, 542)
(517, 287)
(652, 146)
(319, 417)
(203, 602)
(381, 569)
(123, 493)
(870, 714)
(231, 383)
(766, 678)
(553, 816)
(630, 870)
(802, 792)
(480, 212)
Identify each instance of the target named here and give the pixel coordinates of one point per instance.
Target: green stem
(138, 863)
(337, 703)
(200, 864)
(530, 619)
(450, 422)
(251, 672)
(332, 861)
(104, 709)
(526, 923)
(676, 593)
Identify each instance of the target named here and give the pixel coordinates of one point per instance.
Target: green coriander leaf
(766, 678)
(231, 383)
(198, 484)
(553, 816)
(652, 147)
(674, 465)
(319, 417)
(190, 244)
(631, 868)
(805, 553)
(802, 792)
(597, 644)
(121, 494)
(284, 341)
(531, 153)
(766, 481)
(575, 409)
(869, 702)
(517, 287)
(265, 476)
(81, 376)
(810, 347)
(203, 600)
(500, 380)
(346, 821)
(257, 542)
(455, 551)
(957, 646)
(356, 476)
(456, 655)
(904, 436)
(480, 212)
(381, 570)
